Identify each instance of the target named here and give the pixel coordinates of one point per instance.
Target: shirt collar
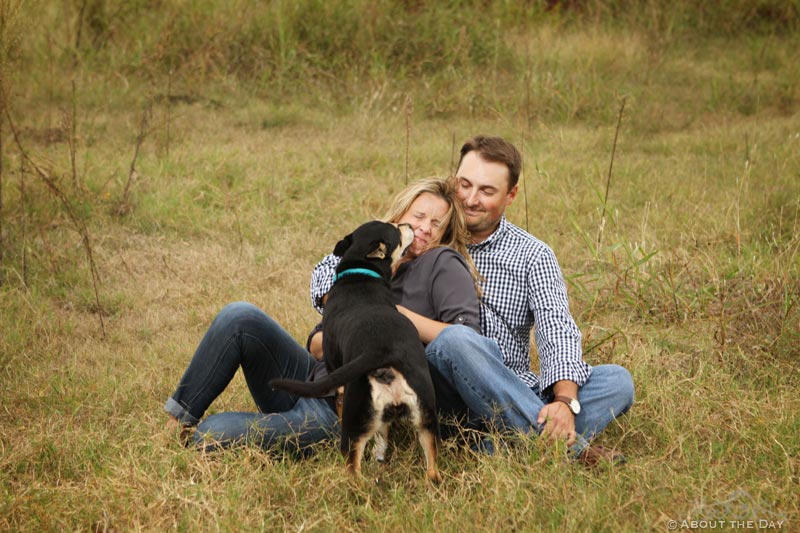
(501, 229)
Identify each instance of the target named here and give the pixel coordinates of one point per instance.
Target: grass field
(211, 152)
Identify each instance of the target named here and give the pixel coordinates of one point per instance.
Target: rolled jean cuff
(180, 412)
(580, 444)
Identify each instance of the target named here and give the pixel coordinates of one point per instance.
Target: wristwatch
(573, 403)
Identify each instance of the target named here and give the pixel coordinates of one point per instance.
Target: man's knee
(627, 389)
(620, 382)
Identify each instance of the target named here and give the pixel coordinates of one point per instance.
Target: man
(523, 288)
(488, 377)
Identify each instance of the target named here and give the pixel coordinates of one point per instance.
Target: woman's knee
(463, 343)
(452, 339)
(457, 335)
(236, 310)
(238, 315)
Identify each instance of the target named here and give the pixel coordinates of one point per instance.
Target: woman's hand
(315, 346)
(428, 329)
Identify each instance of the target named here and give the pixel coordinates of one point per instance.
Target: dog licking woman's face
(426, 216)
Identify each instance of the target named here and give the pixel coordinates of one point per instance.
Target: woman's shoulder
(440, 256)
(441, 259)
(442, 252)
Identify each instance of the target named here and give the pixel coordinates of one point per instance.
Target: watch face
(575, 406)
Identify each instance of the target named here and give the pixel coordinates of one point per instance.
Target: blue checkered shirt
(523, 288)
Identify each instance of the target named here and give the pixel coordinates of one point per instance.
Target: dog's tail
(328, 384)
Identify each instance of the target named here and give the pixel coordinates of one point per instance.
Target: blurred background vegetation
(451, 56)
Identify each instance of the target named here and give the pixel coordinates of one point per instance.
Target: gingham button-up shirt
(523, 288)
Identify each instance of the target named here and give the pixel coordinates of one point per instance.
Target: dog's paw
(435, 477)
(380, 446)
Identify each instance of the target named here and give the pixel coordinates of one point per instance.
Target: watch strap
(567, 400)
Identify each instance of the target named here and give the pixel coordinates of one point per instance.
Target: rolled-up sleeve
(452, 291)
(557, 336)
(322, 279)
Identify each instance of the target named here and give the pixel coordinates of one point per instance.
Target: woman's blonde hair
(455, 234)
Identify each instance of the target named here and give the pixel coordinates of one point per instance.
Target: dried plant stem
(169, 110)
(740, 183)
(528, 77)
(2, 109)
(79, 29)
(79, 224)
(132, 172)
(453, 168)
(238, 231)
(721, 332)
(72, 138)
(23, 223)
(408, 110)
(51, 72)
(608, 178)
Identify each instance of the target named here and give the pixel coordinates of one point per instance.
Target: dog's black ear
(343, 245)
(378, 250)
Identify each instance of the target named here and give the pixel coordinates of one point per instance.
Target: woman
(432, 284)
(434, 287)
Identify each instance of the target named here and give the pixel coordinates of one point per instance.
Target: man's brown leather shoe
(593, 456)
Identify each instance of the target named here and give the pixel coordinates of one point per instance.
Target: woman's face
(426, 215)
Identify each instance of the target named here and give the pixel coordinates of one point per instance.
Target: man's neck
(478, 238)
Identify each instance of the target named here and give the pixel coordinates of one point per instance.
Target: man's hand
(559, 422)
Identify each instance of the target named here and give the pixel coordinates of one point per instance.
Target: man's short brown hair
(496, 150)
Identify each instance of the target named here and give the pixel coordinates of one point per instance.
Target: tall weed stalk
(78, 223)
(602, 224)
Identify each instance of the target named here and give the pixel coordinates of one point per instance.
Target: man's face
(483, 191)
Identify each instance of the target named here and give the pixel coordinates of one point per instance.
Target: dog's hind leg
(354, 455)
(428, 441)
(381, 443)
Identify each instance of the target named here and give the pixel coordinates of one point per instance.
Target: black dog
(373, 350)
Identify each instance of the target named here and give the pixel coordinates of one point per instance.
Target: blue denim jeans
(244, 336)
(472, 381)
